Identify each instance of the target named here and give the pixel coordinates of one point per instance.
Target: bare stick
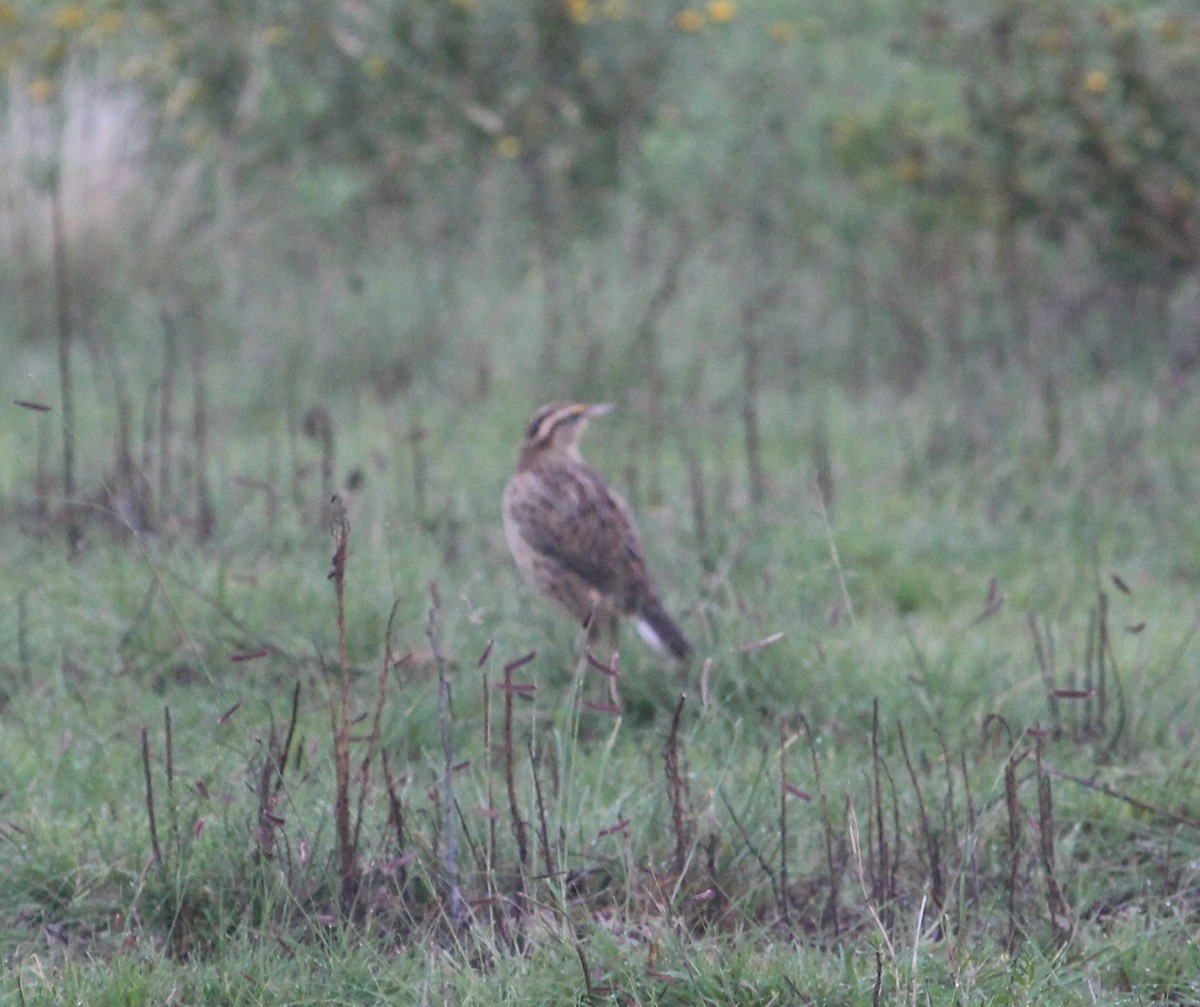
(206, 516)
(1013, 807)
(1103, 652)
(751, 352)
(676, 789)
(768, 870)
(879, 879)
(827, 827)
(340, 715)
(395, 818)
(587, 972)
(450, 857)
(783, 838)
(166, 419)
(490, 868)
(377, 719)
(932, 845)
(543, 829)
(518, 823)
(154, 847)
(1043, 652)
(62, 300)
(1056, 904)
(172, 808)
(835, 557)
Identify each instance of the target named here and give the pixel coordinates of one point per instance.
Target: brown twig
(490, 872)
(166, 422)
(389, 662)
(340, 716)
(1013, 807)
(518, 823)
(543, 829)
(172, 807)
(1188, 821)
(879, 885)
(1043, 653)
(395, 818)
(154, 847)
(1056, 904)
(932, 840)
(677, 789)
(833, 908)
(783, 835)
(62, 303)
(205, 516)
(450, 855)
(751, 353)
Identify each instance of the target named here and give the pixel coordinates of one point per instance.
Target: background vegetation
(900, 306)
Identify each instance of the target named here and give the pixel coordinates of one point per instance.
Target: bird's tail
(659, 630)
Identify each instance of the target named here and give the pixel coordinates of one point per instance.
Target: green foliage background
(900, 305)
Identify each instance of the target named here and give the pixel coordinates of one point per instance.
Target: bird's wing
(568, 515)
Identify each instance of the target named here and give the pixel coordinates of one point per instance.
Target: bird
(574, 539)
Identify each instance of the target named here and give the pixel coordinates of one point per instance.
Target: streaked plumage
(573, 538)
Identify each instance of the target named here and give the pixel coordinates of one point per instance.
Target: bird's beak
(603, 409)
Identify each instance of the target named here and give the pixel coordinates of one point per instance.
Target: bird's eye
(539, 428)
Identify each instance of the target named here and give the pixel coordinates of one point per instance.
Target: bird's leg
(600, 630)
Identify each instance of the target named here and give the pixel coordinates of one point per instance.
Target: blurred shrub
(1069, 117)
(408, 91)
(858, 151)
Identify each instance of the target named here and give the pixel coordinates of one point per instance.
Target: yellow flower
(70, 18)
(689, 20)
(1096, 82)
(579, 11)
(508, 146)
(720, 11)
(40, 90)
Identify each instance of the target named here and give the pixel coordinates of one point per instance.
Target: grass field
(875, 787)
(922, 491)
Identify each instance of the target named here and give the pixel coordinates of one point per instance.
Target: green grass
(916, 714)
(97, 648)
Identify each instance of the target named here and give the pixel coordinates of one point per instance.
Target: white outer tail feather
(647, 633)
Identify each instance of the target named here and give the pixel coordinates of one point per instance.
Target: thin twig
(676, 789)
(340, 714)
(62, 303)
(450, 857)
(1056, 903)
(154, 847)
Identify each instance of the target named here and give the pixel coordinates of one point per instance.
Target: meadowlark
(574, 539)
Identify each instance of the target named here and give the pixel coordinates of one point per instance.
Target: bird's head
(555, 430)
